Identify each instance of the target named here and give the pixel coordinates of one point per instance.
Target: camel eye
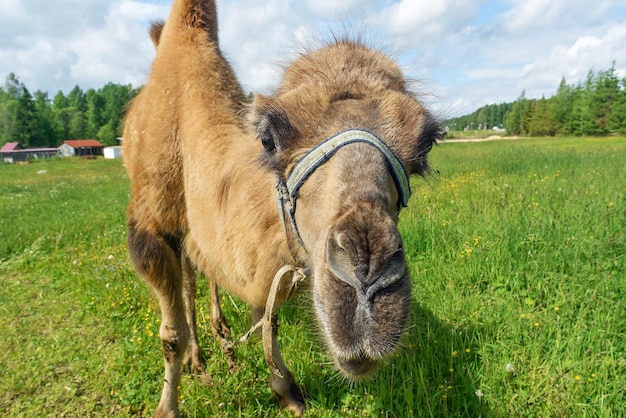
(268, 141)
(345, 96)
(274, 129)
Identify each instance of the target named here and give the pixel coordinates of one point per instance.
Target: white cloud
(334, 8)
(126, 45)
(576, 59)
(532, 13)
(410, 15)
(57, 45)
(420, 20)
(543, 14)
(255, 36)
(13, 10)
(142, 11)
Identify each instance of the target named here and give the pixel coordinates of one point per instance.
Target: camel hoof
(195, 366)
(293, 400)
(163, 412)
(206, 378)
(220, 329)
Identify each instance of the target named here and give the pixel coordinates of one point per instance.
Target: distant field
(517, 251)
(475, 134)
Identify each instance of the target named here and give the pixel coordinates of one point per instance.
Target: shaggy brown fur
(203, 192)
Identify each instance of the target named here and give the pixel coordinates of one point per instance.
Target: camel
(312, 176)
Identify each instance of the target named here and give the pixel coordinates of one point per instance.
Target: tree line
(595, 107)
(38, 121)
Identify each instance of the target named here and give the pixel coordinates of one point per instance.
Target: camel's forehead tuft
(343, 62)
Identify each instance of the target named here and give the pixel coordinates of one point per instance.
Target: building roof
(83, 143)
(27, 150)
(15, 148)
(11, 146)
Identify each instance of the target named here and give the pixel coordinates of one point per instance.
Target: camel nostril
(393, 273)
(341, 263)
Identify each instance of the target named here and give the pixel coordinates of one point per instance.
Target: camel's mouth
(360, 334)
(360, 337)
(357, 367)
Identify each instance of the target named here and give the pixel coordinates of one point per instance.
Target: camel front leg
(282, 381)
(157, 259)
(220, 328)
(174, 333)
(189, 295)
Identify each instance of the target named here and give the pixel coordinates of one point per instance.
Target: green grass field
(517, 251)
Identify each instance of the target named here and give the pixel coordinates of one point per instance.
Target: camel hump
(197, 14)
(155, 31)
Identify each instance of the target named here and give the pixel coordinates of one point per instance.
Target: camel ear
(156, 28)
(272, 124)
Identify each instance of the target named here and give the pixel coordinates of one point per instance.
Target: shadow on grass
(440, 368)
(435, 372)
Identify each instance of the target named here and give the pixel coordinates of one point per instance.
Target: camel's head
(346, 207)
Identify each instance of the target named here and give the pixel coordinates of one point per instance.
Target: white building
(113, 152)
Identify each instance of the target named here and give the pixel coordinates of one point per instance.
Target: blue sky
(465, 53)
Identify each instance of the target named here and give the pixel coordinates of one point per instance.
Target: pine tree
(77, 108)
(542, 122)
(617, 119)
(604, 92)
(561, 106)
(515, 117)
(61, 116)
(46, 135)
(18, 113)
(95, 104)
